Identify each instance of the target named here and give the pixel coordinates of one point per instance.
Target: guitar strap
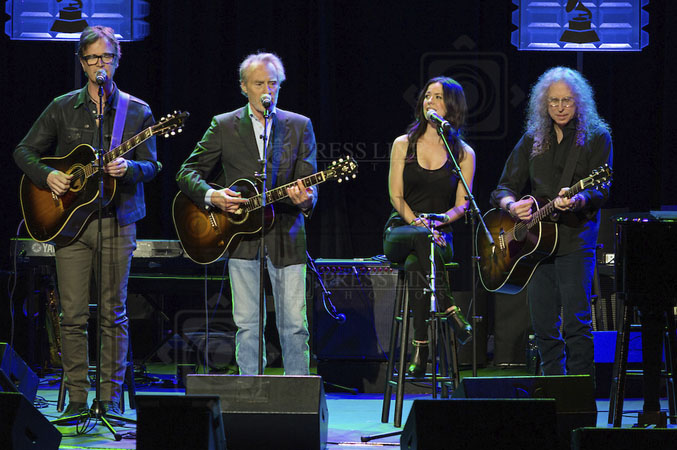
(568, 172)
(119, 121)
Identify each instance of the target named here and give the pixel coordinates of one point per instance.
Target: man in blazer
(231, 149)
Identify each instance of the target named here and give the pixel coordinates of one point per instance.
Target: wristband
(507, 206)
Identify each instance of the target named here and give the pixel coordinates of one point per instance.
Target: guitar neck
(123, 148)
(280, 192)
(549, 208)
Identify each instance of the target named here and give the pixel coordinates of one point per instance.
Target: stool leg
(129, 378)
(401, 372)
(620, 370)
(670, 347)
(395, 329)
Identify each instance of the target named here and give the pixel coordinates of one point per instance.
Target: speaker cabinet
(471, 424)
(15, 375)
(178, 421)
(280, 412)
(573, 394)
(23, 427)
(624, 438)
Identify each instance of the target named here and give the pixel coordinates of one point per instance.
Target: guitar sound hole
(520, 233)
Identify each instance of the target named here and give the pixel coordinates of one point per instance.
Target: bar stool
(442, 341)
(620, 368)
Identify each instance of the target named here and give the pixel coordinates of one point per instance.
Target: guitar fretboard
(280, 192)
(120, 150)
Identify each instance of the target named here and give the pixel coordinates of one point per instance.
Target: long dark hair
(457, 108)
(539, 122)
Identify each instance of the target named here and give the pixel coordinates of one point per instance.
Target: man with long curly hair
(562, 123)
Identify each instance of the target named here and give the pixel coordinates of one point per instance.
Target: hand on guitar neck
(564, 203)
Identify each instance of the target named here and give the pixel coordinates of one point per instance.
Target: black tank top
(429, 191)
(426, 191)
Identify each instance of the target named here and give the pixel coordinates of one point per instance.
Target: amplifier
(363, 290)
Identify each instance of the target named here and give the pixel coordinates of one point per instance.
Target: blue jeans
(564, 284)
(289, 294)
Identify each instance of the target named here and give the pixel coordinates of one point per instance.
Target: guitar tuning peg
(166, 135)
(173, 133)
(180, 130)
(339, 180)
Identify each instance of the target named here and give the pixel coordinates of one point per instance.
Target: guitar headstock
(171, 124)
(344, 168)
(600, 177)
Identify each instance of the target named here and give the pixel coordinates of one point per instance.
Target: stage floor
(351, 416)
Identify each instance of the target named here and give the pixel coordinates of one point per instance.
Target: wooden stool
(442, 341)
(620, 368)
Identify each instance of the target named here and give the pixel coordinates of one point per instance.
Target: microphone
(101, 76)
(438, 217)
(266, 101)
(432, 116)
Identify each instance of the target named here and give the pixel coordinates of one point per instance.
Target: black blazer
(228, 152)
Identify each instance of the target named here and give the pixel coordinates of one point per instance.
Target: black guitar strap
(568, 172)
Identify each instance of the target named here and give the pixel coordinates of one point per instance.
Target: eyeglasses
(93, 60)
(566, 102)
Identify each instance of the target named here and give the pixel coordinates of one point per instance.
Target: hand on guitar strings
(300, 195)
(116, 168)
(521, 209)
(227, 200)
(569, 204)
(59, 182)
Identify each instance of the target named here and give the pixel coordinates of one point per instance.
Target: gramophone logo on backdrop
(580, 26)
(70, 18)
(64, 20)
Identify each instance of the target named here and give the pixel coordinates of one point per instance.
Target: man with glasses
(68, 121)
(565, 140)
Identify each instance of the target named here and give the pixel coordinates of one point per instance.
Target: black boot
(462, 329)
(419, 359)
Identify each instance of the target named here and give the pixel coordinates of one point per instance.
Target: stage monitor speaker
(573, 394)
(624, 438)
(364, 292)
(23, 427)
(471, 424)
(179, 421)
(15, 375)
(268, 411)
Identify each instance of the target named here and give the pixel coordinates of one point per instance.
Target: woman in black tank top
(421, 181)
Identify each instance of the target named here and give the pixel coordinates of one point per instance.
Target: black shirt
(577, 230)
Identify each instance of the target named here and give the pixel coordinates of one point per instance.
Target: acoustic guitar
(61, 219)
(520, 246)
(206, 234)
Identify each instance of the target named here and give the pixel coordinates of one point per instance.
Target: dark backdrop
(355, 70)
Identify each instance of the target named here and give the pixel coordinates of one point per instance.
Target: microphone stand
(473, 211)
(261, 178)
